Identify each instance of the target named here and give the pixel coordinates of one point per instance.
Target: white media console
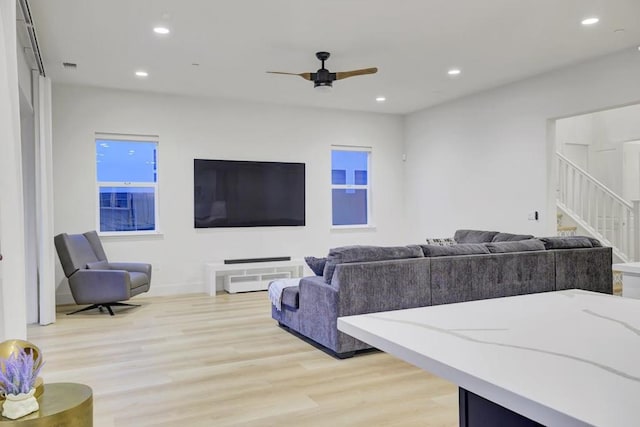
(254, 276)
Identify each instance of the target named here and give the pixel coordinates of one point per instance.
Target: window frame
(128, 184)
(367, 187)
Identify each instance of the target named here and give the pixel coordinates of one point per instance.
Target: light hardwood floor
(196, 360)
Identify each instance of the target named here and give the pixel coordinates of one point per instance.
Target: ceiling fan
(323, 78)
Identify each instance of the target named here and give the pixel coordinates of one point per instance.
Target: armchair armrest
(138, 267)
(100, 286)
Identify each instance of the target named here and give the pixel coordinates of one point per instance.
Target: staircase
(598, 210)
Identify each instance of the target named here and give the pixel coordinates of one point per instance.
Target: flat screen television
(233, 193)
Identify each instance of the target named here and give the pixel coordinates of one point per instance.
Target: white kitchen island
(630, 278)
(566, 358)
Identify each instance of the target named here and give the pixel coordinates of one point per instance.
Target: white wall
(12, 267)
(604, 134)
(483, 161)
(27, 136)
(631, 170)
(28, 150)
(191, 128)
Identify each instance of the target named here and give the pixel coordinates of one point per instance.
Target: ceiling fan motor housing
(323, 78)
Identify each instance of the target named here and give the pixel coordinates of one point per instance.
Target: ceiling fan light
(324, 87)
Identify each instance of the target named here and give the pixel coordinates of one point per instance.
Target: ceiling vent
(70, 65)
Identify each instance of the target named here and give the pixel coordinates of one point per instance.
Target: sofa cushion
(571, 242)
(350, 254)
(515, 246)
(508, 237)
(474, 236)
(316, 264)
(446, 241)
(459, 249)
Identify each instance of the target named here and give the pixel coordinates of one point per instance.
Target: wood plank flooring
(196, 360)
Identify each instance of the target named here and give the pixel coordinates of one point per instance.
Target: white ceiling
(412, 42)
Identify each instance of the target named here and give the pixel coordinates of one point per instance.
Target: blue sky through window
(126, 161)
(349, 167)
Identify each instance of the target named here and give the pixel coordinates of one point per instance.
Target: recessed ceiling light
(454, 72)
(381, 99)
(590, 21)
(161, 30)
(141, 73)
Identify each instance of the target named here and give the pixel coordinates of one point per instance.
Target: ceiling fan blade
(344, 74)
(306, 76)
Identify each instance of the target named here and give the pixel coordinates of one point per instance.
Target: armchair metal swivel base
(93, 279)
(102, 306)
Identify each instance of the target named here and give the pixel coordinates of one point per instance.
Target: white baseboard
(164, 289)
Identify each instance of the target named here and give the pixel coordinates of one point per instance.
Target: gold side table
(61, 405)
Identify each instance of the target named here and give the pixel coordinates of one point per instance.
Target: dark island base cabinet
(476, 411)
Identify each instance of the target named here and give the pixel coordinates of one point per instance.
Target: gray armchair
(93, 279)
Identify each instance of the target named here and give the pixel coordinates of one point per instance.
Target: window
(127, 181)
(350, 187)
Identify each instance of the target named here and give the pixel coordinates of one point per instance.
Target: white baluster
(636, 230)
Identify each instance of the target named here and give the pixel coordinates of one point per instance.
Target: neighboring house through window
(350, 186)
(127, 182)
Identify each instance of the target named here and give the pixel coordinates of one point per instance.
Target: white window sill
(130, 233)
(353, 227)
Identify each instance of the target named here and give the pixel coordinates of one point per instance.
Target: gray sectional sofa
(367, 279)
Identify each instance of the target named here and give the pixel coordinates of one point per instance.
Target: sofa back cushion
(474, 236)
(351, 254)
(459, 249)
(571, 242)
(508, 237)
(515, 246)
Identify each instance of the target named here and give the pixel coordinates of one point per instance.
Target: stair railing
(598, 209)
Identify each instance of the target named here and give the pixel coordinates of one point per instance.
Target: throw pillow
(350, 254)
(459, 249)
(518, 246)
(447, 241)
(508, 237)
(572, 242)
(474, 236)
(595, 242)
(316, 264)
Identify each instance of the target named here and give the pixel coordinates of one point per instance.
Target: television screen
(231, 193)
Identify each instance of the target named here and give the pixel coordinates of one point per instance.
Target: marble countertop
(569, 358)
